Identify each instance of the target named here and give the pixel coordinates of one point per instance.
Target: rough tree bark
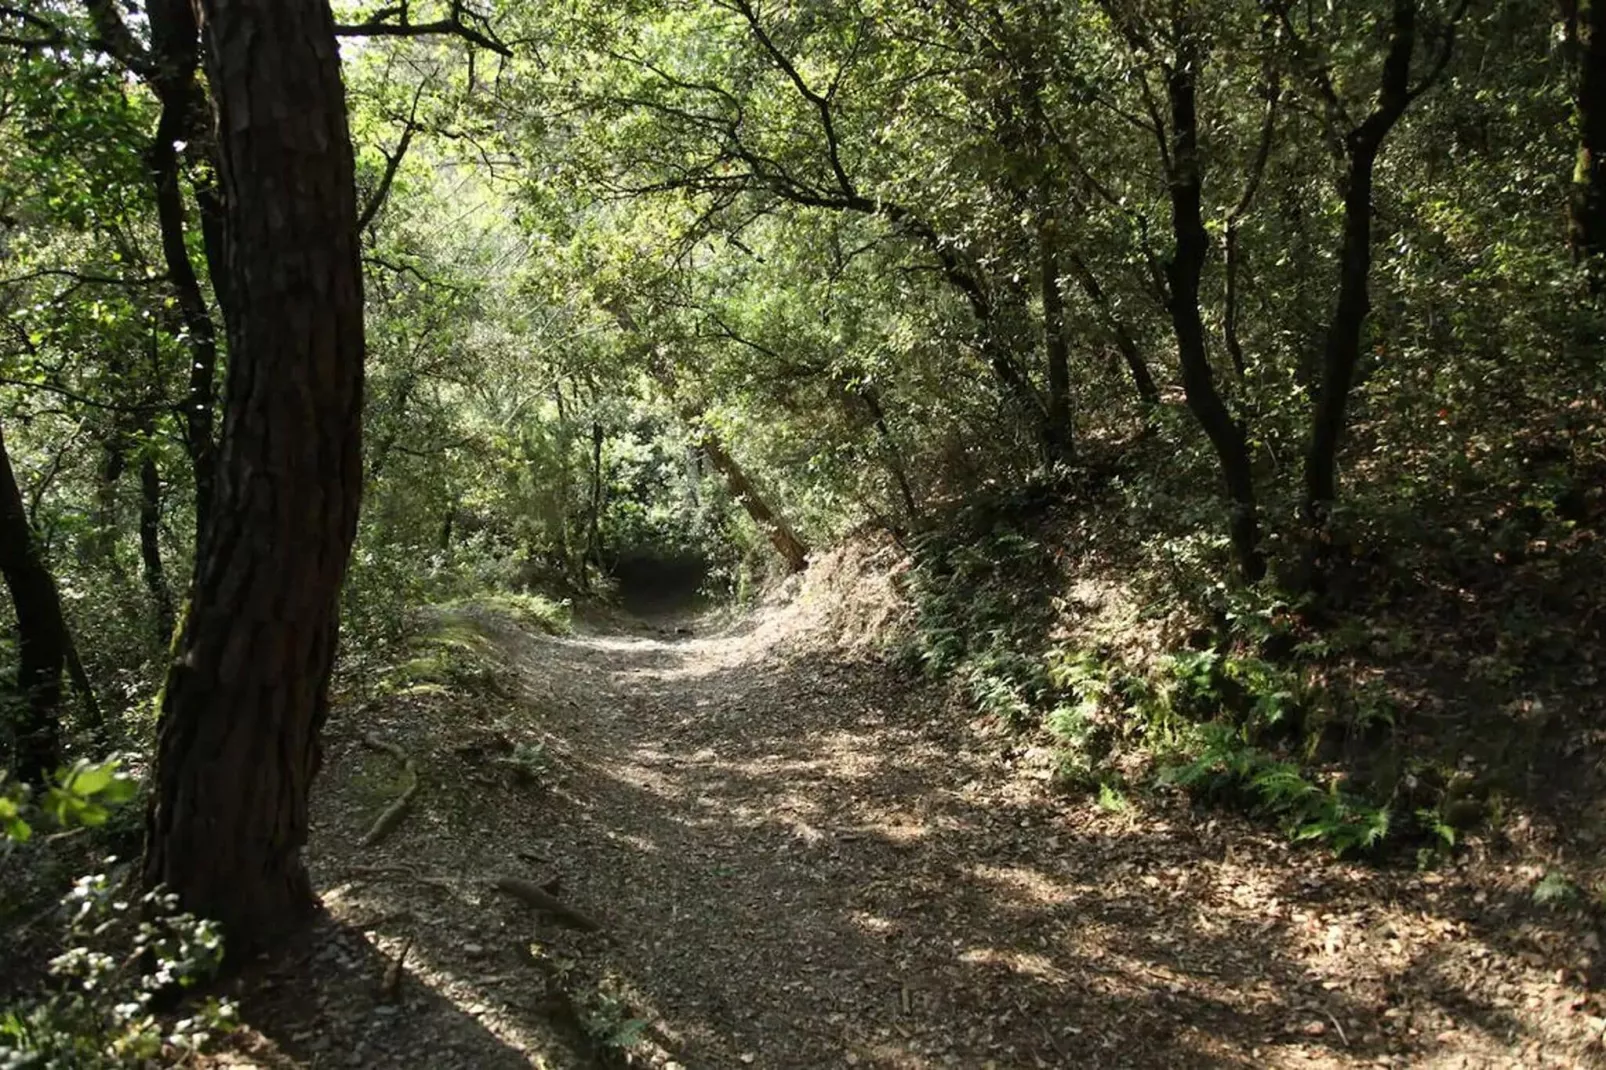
(41, 634)
(1183, 272)
(246, 696)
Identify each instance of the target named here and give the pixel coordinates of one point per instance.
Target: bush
(120, 953)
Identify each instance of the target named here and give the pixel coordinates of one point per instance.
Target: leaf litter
(798, 857)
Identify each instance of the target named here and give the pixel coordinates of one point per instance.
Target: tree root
(529, 893)
(393, 814)
(532, 894)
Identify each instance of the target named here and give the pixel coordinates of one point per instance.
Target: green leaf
(88, 780)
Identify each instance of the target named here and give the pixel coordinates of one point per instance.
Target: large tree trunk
(41, 634)
(247, 694)
(1183, 272)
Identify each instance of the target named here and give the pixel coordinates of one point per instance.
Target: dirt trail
(805, 859)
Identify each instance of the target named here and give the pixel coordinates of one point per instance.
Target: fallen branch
(396, 810)
(534, 895)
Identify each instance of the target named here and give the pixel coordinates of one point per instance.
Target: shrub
(120, 952)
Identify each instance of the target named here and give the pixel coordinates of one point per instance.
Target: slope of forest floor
(800, 857)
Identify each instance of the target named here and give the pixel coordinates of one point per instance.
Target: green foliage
(81, 795)
(1111, 800)
(982, 614)
(85, 793)
(122, 952)
(552, 616)
(13, 828)
(529, 761)
(1223, 764)
(1555, 889)
(820, 236)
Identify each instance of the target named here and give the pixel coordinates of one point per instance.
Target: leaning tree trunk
(771, 523)
(247, 694)
(41, 634)
(1184, 271)
(871, 397)
(1120, 334)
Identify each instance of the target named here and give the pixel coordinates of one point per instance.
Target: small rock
(1314, 1028)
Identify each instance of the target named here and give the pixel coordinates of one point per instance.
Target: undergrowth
(406, 630)
(116, 951)
(1239, 695)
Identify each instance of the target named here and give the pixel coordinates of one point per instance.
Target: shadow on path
(808, 861)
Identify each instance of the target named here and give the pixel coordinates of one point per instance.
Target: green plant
(1225, 765)
(552, 616)
(528, 762)
(82, 796)
(121, 951)
(122, 954)
(1111, 799)
(609, 1020)
(1555, 889)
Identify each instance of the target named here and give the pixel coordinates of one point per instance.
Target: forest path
(806, 859)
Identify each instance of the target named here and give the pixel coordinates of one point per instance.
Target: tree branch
(393, 162)
(821, 101)
(1442, 59)
(456, 24)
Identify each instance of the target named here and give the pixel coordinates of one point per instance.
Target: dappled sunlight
(1024, 884)
(795, 862)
